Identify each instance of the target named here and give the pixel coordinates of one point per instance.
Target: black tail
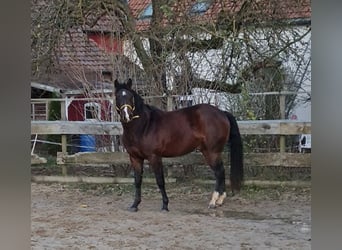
(236, 154)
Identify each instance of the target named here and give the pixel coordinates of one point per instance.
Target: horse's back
(210, 115)
(204, 121)
(213, 120)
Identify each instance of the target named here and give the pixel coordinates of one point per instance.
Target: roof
(104, 23)
(81, 61)
(264, 9)
(85, 54)
(77, 50)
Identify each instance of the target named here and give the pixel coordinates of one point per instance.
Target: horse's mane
(152, 108)
(139, 102)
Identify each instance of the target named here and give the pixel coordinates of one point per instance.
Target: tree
(189, 51)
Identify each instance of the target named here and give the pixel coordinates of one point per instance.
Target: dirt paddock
(96, 217)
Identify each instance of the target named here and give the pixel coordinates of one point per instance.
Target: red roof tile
(137, 6)
(77, 50)
(81, 60)
(267, 9)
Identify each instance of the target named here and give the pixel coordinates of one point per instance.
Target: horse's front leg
(137, 165)
(158, 169)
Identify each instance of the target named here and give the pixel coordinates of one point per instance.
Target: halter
(128, 106)
(125, 105)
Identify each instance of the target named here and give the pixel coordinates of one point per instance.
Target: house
(253, 22)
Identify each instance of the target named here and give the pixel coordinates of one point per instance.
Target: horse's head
(124, 98)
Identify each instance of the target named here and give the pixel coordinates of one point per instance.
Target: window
(200, 7)
(147, 12)
(92, 111)
(107, 76)
(39, 111)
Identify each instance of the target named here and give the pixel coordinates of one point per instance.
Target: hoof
(165, 210)
(133, 209)
(211, 206)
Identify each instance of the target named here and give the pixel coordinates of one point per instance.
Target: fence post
(169, 103)
(282, 144)
(64, 137)
(169, 107)
(47, 109)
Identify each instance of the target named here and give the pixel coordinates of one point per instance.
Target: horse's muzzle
(126, 113)
(126, 116)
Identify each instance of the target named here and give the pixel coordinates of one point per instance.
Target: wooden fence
(264, 127)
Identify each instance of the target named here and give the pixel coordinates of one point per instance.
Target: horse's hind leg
(220, 187)
(216, 164)
(157, 166)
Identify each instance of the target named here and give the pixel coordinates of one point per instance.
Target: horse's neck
(152, 108)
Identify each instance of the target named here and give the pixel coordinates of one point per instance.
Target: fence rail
(250, 159)
(262, 127)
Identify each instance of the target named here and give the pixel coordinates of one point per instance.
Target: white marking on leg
(214, 198)
(221, 198)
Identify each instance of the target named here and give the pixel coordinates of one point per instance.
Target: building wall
(108, 43)
(76, 111)
(208, 65)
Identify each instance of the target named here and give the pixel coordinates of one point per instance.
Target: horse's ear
(129, 83)
(116, 83)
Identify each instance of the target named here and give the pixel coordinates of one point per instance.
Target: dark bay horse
(150, 133)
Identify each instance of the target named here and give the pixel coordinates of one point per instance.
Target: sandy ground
(78, 217)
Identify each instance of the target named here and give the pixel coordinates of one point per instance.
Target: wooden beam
(46, 87)
(250, 159)
(274, 127)
(35, 159)
(96, 180)
(63, 136)
(282, 104)
(76, 127)
(119, 180)
(278, 159)
(262, 183)
(264, 127)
